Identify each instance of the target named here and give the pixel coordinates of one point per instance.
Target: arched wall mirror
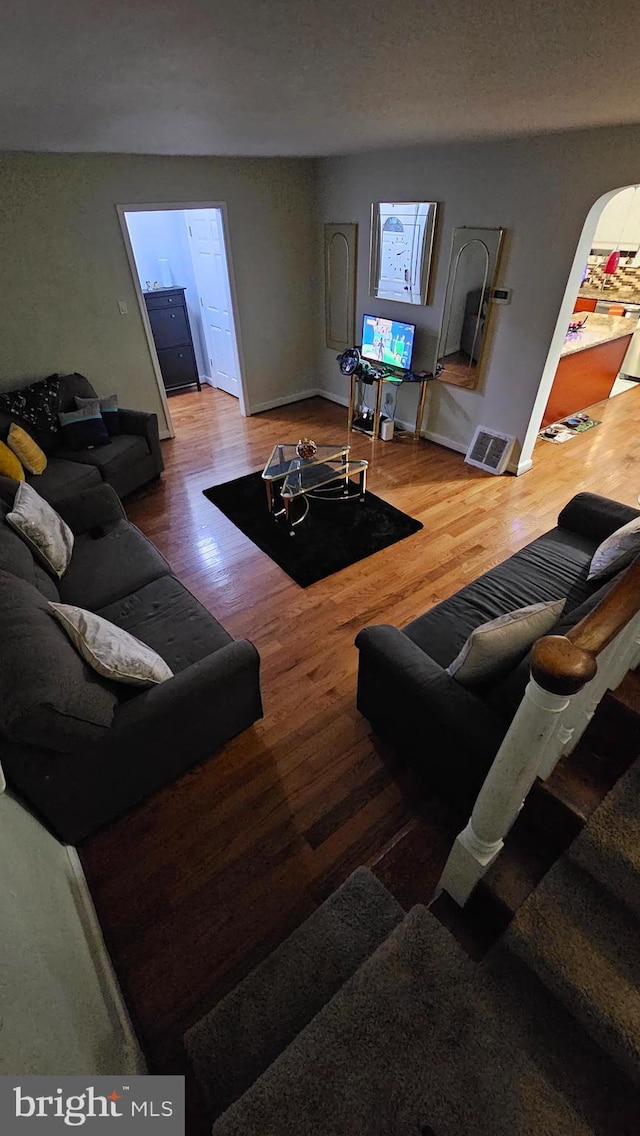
(467, 306)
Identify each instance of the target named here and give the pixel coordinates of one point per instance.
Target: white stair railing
(569, 677)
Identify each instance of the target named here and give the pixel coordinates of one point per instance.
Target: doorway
(183, 277)
(603, 286)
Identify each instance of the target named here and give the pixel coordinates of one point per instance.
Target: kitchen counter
(589, 363)
(597, 330)
(612, 295)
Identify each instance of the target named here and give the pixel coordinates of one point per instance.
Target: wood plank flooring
(201, 881)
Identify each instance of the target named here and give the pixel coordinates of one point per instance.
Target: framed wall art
(401, 246)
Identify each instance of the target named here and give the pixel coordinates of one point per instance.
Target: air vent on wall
(489, 450)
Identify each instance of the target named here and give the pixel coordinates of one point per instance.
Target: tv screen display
(387, 341)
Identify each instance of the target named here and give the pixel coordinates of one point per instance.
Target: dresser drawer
(178, 366)
(169, 328)
(162, 300)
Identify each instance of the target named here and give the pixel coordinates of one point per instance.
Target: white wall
(163, 234)
(619, 222)
(540, 190)
(65, 267)
(58, 1013)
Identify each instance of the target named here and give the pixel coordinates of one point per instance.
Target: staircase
(369, 1021)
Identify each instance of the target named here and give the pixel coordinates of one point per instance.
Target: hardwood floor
(201, 881)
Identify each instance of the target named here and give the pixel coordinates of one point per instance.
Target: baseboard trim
(443, 440)
(208, 380)
(284, 400)
(340, 399)
(519, 467)
(132, 1053)
(439, 439)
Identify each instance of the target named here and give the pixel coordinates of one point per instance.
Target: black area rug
(334, 535)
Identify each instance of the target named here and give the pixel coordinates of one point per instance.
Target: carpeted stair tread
(410, 1043)
(245, 1032)
(609, 846)
(533, 1019)
(583, 944)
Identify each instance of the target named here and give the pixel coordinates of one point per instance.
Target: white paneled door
(210, 268)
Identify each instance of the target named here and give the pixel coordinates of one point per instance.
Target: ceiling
(307, 77)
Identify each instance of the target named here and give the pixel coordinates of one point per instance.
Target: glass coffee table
(289, 478)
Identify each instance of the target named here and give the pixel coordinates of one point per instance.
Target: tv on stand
(387, 342)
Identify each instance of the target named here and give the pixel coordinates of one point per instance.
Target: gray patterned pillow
(49, 538)
(494, 647)
(112, 652)
(616, 551)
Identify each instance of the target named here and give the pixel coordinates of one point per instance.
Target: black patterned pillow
(37, 406)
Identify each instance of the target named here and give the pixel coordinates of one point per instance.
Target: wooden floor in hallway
(197, 884)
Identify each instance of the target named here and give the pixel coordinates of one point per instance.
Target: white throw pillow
(495, 646)
(616, 551)
(42, 528)
(112, 652)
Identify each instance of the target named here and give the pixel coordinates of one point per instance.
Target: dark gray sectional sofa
(82, 750)
(450, 732)
(132, 458)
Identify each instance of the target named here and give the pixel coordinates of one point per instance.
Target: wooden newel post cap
(559, 666)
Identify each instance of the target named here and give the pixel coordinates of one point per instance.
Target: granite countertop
(597, 330)
(611, 295)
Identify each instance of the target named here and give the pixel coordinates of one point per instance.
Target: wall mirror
(340, 248)
(401, 248)
(467, 306)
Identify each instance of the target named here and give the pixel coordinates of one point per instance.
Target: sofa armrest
(595, 517)
(446, 721)
(198, 709)
(145, 425)
(92, 508)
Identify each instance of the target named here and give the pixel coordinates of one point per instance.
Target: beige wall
(540, 190)
(64, 267)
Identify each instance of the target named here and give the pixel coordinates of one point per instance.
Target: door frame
(182, 206)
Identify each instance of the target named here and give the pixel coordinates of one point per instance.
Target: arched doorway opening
(612, 225)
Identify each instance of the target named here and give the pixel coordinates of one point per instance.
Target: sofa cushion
(10, 464)
(550, 568)
(617, 551)
(26, 449)
(64, 479)
(505, 696)
(83, 429)
(111, 651)
(72, 387)
(35, 406)
(494, 648)
(49, 697)
(108, 404)
(17, 558)
(172, 621)
(124, 450)
(108, 566)
(44, 530)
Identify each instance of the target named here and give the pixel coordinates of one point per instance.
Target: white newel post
(621, 655)
(535, 734)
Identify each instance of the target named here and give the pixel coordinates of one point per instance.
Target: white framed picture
(401, 246)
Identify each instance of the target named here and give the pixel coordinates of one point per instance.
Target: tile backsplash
(625, 280)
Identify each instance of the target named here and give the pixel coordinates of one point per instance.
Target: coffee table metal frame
(326, 475)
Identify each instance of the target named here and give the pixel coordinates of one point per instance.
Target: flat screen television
(387, 341)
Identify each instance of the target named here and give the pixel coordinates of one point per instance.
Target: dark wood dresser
(169, 319)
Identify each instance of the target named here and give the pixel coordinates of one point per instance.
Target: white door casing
(206, 236)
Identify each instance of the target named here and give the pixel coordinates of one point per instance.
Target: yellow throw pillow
(10, 465)
(24, 447)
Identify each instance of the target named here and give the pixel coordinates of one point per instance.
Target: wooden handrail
(563, 664)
